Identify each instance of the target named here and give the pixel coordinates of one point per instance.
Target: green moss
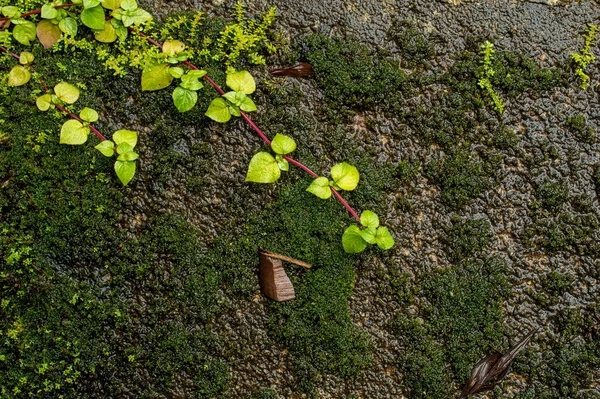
(556, 283)
(467, 237)
(407, 171)
(460, 319)
(505, 138)
(552, 195)
(578, 127)
(413, 44)
(461, 176)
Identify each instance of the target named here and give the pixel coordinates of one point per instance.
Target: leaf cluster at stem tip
(345, 177)
(264, 168)
(232, 103)
(355, 239)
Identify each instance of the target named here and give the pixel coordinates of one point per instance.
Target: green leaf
(369, 219)
(48, 33)
(106, 147)
(184, 99)
(26, 58)
(43, 102)
(234, 110)
(282, 163)
(10, 11)
(120, 30)
(49, 12)
(88, 115)
(263, 169)
(24, 33)
(156, 77)
(176, 72)
(93, 18)
(283, 144)
(218, 110)
(190, 82)
(172, 47)
(125, 136)
(91, 3)
(66, 92)
(68, 26)
(241, 81)
(136, 17)
(352, 240)
(197, 73)
(111, 4)
(129, 5)
(236, 97)
(18, 76)
(128, 156)
(248, 105)
(106, 35)
(345, 176)
(320, 188)
(383, 238)
(125, 171)
(124, 148)
(368, 235)
(73, 132)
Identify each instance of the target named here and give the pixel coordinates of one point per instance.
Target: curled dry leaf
(299, 70)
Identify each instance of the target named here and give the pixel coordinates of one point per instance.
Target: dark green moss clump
(467, 237)
(413, 44)
(577, 125)
(552, 195)
(460, 319)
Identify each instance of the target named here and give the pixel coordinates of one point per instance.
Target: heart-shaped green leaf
(191, 82)
(263, 168)
(106, 147)
(248, 105)
(111, 4)
(93, 17)
(43, 102)
(125, 136)
(241, 81)
(73, 132)
(125, 171)
(129, 5)
(184, 99)
(24, 33)
(68, 26)
(345, 176)
(172, 47)
(352, 240)
(383, 238)
(320, 188)
(282, 163)
(369, 219)
(26, 58)
(88, 115)
(18, 76)
(156, 77)
(66, 92)
(218, 110)
(368, 235)
(176, 72)
(49, 12)
(106, 35)
(91, 3)
(10, 11)
(128, 156)
(283, 144)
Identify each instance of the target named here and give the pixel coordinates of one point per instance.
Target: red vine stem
(221, 92)
(63, 109)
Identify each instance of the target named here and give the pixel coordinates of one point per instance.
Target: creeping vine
(113, 21)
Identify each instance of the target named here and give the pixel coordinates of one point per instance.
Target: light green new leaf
(172, 47)
(197, 73)
(66, 92)
(383, 238)
(125, 171)
(283, 144)
(47, 33)
(43, 102)
(191, 82)
(136, 17)
(106, 147)
(184, 99)
(120, 30)
(24, 33)
(88, 115)
(352, 240)
(125, 136)
(345, 176)
(18, 76)
(248, 105)
(49, 12)
(369, 219)
(68, 26)
(26, 58)
(73, 132)
(128, 156)
(124, 148)
(241, 81)
(320, 188)
(129, 5)
(282, 163)
(106, 35)
(176, 72)
(111, 4)
(263, 168)
(218, 110)
(93, 17)
(368, 235)
(236, 97)
(10, 11)
(91, 3)
(156, 77)
(234, 110)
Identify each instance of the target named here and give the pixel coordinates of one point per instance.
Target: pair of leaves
(112, 31)
(221, 109)
(76, 132)
(185, 96)
(345, 177)
(63, 92)
(264, 168)
(123, 143)
(355, 239)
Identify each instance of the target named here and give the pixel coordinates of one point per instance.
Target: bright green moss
(467, 237)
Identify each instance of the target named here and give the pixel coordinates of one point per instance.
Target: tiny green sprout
(345, 177)
(355, 239)
(242, 84)
(264, 168)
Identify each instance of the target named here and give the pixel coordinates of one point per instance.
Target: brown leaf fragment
(48, 33)
(299, 70)
(491, 369)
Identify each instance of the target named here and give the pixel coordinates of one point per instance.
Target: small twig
(284, 258)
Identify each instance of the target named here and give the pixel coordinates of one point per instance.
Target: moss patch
(466, 237)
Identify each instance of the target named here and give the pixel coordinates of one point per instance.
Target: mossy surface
(466, 237)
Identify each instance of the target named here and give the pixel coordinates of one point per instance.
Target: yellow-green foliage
(487, 50)
(586, 57)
